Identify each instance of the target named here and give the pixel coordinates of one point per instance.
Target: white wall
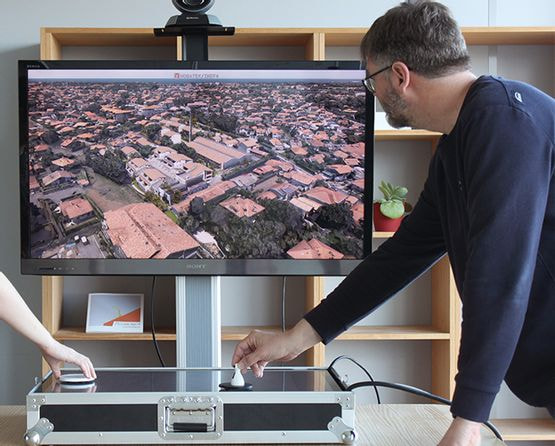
(401, 161)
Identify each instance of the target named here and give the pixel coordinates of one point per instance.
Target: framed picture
(115, 313)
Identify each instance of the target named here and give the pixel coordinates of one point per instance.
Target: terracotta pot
(383, 223)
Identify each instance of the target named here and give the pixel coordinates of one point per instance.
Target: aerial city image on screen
(210, 165)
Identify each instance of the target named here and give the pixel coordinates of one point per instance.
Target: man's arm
(417, 245)
(259, 347)
(508, 167)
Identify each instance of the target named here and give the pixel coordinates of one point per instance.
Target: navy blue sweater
(489, 202)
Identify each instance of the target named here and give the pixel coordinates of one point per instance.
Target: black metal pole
(195, 47)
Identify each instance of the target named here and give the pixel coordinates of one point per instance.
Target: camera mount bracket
(194, 29)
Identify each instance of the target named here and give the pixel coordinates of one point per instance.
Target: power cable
(153, 330)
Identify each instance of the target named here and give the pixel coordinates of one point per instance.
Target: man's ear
(401, 76)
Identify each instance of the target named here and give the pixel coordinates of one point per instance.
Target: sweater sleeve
(507, 171)
(416, 245)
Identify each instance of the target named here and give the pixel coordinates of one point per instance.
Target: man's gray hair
(422, 34)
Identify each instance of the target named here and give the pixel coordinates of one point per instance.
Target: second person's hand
(259, 347)
(57, 354)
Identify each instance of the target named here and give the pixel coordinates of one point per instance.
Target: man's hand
(462, 433)
(56, 354)
(259, 347)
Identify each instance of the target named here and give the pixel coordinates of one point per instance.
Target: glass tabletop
(275, 379)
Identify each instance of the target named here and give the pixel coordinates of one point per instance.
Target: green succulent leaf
(392, 208)
(401, 191)
(391, 192)
(384, 190)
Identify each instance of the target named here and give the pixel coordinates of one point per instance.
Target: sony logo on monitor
(195, 266)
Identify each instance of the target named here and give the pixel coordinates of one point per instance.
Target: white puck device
(75, 378)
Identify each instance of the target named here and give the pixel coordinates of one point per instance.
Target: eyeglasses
(369, 82)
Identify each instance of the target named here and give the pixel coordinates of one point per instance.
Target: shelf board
(379, 235)
(356, 333)
(493, 35)
(238, 333)
(78, 334)
(517, 429)
(165, 334)
(509, 35)
(146, 37)
(400, 135)
(288, 36)
(265, 37)
(393, 333)
(109, 37)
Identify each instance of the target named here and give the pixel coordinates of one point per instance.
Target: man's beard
(395, 107)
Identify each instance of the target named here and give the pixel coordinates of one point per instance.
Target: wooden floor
(383, 425)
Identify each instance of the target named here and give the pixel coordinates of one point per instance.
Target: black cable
(416, 391)
(404, 387)
(363, 369)
(492, 428)
(284, 281)
(153, 330)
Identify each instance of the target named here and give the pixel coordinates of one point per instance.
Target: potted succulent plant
(389, 211)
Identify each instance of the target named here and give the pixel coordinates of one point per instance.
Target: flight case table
(187, 406)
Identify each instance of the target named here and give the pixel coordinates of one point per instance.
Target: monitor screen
(206, 168)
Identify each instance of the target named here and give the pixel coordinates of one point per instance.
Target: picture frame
(115, 313)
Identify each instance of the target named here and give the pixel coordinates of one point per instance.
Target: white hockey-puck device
(75, 379)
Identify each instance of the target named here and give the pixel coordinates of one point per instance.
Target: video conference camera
(194, 26)
(193, 6)
(193, 13)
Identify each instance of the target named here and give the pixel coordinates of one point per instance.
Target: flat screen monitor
(179, 168)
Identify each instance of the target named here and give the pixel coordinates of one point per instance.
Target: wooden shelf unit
(444, 332)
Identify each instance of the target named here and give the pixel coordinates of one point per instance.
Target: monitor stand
(197, 313)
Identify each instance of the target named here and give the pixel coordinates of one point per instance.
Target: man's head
(419, 37)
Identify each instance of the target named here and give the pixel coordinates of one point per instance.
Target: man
(15, 312)
(489, 202)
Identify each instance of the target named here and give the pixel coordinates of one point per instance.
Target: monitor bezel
(172, 267)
